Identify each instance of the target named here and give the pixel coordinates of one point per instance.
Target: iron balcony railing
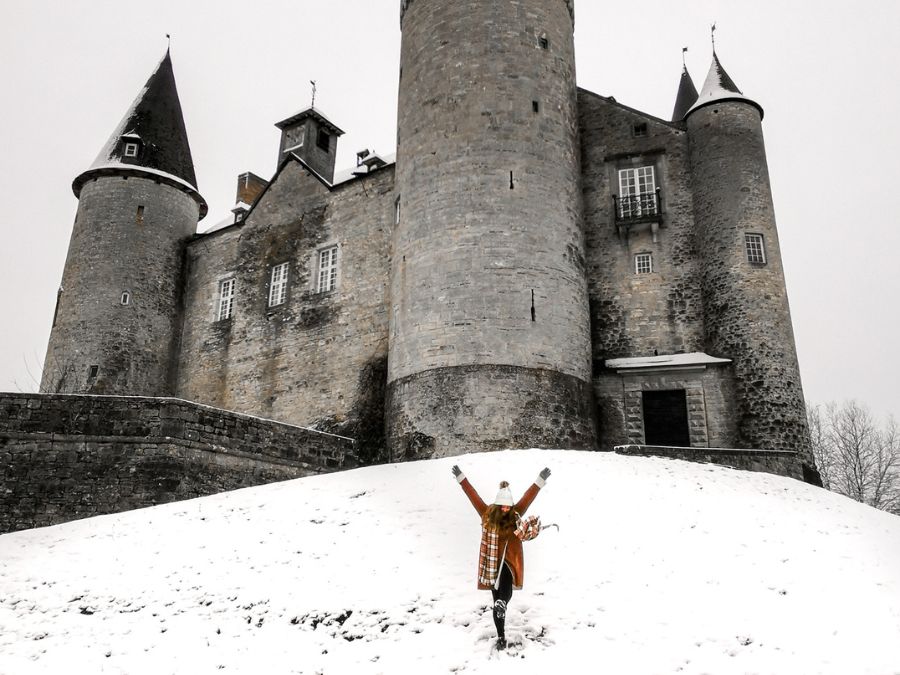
(640, 208)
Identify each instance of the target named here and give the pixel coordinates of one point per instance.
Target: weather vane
(712, 33)
(683, 58)
(313, 83)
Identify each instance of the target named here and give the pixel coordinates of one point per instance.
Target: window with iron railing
(638, 197)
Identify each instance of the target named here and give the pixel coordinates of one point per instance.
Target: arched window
(126, 298)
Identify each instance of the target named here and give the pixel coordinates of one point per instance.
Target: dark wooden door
(666, 418)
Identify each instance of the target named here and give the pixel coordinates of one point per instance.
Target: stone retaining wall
(64, 457)
(780, 462)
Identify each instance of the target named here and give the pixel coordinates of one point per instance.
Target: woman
(501, 565)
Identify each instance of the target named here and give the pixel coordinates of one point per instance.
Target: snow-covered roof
(221, 225)
(155, 118)
(346, 175)
(720, 87)
(666, 361)
(310, 112)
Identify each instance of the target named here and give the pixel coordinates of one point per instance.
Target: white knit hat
(504, 496)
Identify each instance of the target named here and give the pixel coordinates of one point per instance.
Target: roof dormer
(313, 138)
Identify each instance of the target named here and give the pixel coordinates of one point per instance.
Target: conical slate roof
(154, 120)
(687, 96)
(720, 87)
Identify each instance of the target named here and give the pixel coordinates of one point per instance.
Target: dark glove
(458, 474)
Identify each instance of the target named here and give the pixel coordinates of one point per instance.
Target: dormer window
(130, 145)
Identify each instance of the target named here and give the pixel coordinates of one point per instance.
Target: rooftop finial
(712, 33)
(683, 58)
(313, 83)
(168, 42)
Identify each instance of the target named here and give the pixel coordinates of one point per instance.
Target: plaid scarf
(489, 556)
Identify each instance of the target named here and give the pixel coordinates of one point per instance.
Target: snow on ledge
(692, 360)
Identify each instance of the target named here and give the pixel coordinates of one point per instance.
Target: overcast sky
(826, 73)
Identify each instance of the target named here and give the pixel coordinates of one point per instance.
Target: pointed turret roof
(687, 96)
(720, 87)
(156, 123)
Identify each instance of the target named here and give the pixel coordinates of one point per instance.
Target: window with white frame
(756, 250)
(278, 285)
(226, 299)
(643, 263)
(637, 192)
(327, 269)
(131, 149)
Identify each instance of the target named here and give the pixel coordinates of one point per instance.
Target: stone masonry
(541, 266)
(68, 457)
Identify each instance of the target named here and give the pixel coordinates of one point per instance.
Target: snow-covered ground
(659, 566)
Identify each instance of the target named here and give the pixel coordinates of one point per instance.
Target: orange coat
(509, 544)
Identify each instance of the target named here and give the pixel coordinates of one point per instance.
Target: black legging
(502, 593)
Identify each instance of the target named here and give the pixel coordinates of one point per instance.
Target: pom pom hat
(504, 496)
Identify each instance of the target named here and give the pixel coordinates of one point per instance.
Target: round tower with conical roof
(489, 331)
(747, 317)
(116, 324)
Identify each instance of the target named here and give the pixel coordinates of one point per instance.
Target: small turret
(687, 96)
(313, 138)
(118, 311)
(718, 88)
(747, 316)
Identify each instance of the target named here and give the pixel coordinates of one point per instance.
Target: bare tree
(856, 457)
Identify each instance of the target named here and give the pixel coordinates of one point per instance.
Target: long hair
(495, 519)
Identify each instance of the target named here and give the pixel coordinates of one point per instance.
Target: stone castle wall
(68, 457)
(128, 237)
(319, 358)
(638, 314)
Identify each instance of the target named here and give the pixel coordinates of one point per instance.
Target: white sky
(825, 72)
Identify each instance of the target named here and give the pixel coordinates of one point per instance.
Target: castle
(540, 266)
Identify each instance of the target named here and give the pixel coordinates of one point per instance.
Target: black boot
(500, 623)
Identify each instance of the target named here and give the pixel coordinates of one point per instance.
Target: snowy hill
(659, 567)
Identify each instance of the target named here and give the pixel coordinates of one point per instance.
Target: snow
(659, 566)
(719, 87)
(666, 361)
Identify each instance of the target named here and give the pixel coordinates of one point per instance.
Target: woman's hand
(458, 474)
(545, 474)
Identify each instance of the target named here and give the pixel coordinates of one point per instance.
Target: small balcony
(638, 209)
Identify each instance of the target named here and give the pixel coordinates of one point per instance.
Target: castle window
(126, 298)
(637, 193)
(536, 106)
(643, 263)
(278, 285)
(323, 140)
(756, 250)
(327, 269)
(226, 299)
(397, 211)
(131, 149)
(639, 130)
(93, 371)
(544, 42)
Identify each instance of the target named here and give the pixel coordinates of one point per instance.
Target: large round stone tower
(747, 316)
(489, 332)
(118, 314)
